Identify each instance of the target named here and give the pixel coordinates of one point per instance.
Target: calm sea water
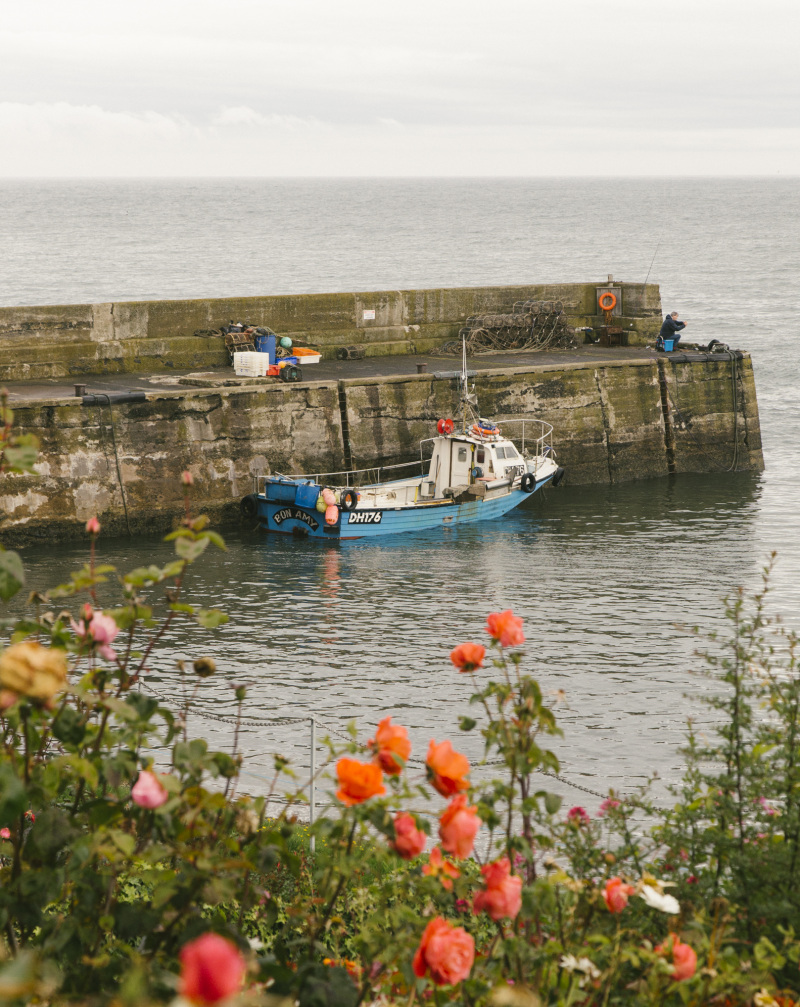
(601, 575)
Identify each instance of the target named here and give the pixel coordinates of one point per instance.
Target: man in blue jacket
(671, 328)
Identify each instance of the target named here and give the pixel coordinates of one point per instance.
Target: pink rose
(187, 478)
(5, 833)
(503, 894)
(458, 827)
(616, 893)
(99, 629)
(148, 791)
(578, 816)
(93, 526)
(409, 841)
(609, 804)
(446, 952)
(212, 969)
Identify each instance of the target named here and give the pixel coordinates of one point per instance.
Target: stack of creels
(530, 325)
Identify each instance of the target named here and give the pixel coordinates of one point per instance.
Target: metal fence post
(312, 794)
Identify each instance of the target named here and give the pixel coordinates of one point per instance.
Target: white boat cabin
(462, 460)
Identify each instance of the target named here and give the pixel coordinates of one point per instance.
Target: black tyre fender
(249, 506)
(558, 477)
(349, 500)
(528, 482)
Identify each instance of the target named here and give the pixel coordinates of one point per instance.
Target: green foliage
(109, 867)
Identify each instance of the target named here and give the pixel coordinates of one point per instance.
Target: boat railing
(535, 436)
(348, 477)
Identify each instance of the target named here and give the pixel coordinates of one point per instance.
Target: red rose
(458, 827)
(503, 894)
(468, 656)
(616, 894)
(446, 952)
(212, 968)
(358, 781)
(684, 960)
(506, 628)
(447, 770)
(391, 747)
(409, 841)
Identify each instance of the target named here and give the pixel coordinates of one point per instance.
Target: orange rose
(468, 656)
(358, 781)
(503, 894)
(616, 894)
(458, 827)
(506, 628)
(446, 769)
(391, 747)
(438, 867)
(446, 952)
(684, 959)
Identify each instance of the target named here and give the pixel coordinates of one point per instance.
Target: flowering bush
(129, 882)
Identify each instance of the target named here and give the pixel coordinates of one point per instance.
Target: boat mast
(464, 382)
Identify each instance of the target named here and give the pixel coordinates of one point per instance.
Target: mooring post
(311, 794)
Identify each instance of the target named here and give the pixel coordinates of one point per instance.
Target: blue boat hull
(291, 518)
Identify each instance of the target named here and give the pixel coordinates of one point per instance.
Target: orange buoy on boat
(331, 514)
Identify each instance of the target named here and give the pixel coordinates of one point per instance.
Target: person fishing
(671, 328)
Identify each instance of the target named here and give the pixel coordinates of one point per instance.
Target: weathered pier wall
(134, 336)
(613, 422)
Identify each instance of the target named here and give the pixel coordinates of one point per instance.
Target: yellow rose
(31, 670)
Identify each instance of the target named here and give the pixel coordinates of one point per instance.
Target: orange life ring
(608, 307)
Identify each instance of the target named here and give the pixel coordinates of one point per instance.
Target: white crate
(250, 365)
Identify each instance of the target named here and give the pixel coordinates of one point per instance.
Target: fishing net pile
(530, 325)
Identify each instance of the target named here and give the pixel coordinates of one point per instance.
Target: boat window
(462, 454)
(511, 452)
(480, 456)
(500, 452)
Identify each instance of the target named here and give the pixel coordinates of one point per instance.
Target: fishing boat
(473, 473)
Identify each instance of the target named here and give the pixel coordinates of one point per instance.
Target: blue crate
(307, 496)
(283, 492)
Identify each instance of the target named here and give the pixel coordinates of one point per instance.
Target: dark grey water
(600, 575)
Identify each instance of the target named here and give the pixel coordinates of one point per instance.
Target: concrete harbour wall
(134, 336)
(613, 422)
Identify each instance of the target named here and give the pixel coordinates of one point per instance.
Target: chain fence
(315, 724)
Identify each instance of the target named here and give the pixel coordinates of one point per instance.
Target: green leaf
(217, 540)
(69, 726)
(22, 457)
(12, 574)
(179, 606)
(210, 618)
(552, 802)
(467, 723)
(190, 550)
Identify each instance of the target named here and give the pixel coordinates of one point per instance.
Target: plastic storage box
(251, 364)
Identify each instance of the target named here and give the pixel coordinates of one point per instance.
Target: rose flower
(391, 747)
(358, 781)
(447, 770)
(506, 628)
(446, 952)
(503, 894)
(458, 827)
(212, 969)
(409, 841)
(31, 670)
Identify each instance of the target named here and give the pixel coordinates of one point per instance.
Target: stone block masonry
(147, 336)
(613, 421)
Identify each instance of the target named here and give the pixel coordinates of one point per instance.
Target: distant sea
(600, 574)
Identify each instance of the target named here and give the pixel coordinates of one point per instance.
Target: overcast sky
(411, 87)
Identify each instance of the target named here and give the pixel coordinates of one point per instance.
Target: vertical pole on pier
(312, 794)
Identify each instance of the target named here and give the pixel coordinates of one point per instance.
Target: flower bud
(187, 479)
(92, 526)
(204, 667)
